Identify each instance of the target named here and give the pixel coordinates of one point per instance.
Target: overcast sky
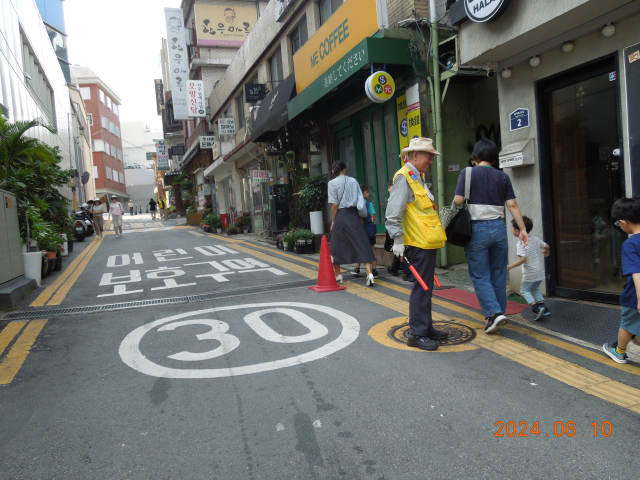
(120, 40)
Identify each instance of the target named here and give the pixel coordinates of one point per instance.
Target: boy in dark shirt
(627, 213)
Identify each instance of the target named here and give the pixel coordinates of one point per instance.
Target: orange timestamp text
(510, 429)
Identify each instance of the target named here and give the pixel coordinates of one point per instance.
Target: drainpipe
(433, 18)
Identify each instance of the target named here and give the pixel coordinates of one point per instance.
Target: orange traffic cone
(326, 275)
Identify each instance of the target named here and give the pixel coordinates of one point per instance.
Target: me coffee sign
(485, 10)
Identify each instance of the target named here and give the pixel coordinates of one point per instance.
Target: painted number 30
(132, 356)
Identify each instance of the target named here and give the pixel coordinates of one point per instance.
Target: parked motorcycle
(83, 226)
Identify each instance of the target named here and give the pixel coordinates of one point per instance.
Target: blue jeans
(531, 292)
(487, 255)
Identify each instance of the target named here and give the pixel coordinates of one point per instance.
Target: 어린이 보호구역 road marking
(64, 289)
(41, 299)
(17, 354)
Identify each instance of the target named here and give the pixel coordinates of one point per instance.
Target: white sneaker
(495, 322)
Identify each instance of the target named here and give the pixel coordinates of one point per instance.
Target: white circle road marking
(131, 355)
(217, 332)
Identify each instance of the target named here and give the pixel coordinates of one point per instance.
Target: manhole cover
(457, 333)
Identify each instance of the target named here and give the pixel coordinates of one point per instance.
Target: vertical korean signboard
(162, 155)
(413, 112)
(195, 96)
(178, 61)
(159, 95)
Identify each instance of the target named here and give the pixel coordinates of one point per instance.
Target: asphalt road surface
(246, 373)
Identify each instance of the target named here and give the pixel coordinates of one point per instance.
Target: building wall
(137, 141)
(85, 156)
(16, 97)
(399, 10)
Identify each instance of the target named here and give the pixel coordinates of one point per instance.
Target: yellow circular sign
(380, 87)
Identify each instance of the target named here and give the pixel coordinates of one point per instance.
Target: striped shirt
(533, 268)
(346, 191)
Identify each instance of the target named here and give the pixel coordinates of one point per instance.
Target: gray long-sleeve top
(401, 194)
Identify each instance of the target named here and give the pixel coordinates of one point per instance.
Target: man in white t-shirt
(116, 211)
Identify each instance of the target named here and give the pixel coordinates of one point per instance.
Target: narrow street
(235, 369)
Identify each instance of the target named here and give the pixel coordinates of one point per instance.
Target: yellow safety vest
(421, 224)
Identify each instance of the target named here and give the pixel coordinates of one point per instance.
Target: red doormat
(470, 300)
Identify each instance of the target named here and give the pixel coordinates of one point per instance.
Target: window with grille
(299, 36)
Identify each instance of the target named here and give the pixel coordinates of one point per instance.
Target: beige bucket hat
(420, 144)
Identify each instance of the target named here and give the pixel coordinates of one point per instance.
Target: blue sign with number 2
(519, 119)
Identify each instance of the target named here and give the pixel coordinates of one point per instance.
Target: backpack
(369, 226)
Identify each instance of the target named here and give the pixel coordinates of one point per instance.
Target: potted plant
(215, 222)
(313, 198)
(231, 231)
(304, 243)
(287, 241)
(245, 221)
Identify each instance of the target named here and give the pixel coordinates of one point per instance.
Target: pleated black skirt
(349, 241)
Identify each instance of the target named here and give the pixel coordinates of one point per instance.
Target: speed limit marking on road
(220, 333)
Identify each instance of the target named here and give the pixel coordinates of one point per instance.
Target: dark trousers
(424, 261)
(397, 265)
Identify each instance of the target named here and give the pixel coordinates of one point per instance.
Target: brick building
(102, 109)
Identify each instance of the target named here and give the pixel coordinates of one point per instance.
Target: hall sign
(379, 87)
(354, 21)
(485, 10)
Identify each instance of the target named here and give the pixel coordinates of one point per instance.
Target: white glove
(398, 247)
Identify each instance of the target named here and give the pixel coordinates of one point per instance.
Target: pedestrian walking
(131, 207)
(532, 261)
(161, 209)
(626, 211)
(115, 212)
(152, 208)
(396, 264)
(369, 223)
(414, 226)
(349, 243)
(98, 209)
(487, 252)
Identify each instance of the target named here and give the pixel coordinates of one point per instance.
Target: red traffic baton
(435, 279)
(415, 274)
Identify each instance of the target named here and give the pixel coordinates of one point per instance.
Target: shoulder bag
(458, 229)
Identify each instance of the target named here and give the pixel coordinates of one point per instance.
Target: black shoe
(355, 272)
(409, 278)
(494, 322)
(437, 335)
(375, 273)
(423, 343)
(393, 272)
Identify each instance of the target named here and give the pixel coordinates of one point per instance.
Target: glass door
(587, 179)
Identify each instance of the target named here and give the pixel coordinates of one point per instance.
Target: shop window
(328, 8)
(275, 64)
(85, 93)
(299, 36)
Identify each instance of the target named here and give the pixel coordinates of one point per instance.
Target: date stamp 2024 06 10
(560, 429)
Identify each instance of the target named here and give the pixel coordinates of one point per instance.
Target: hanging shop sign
(207, 141)
(162, 154)
(223, 26)
(227, 126)
(349, 25)
(519, 119)
(254, 92)
(159, 95)
(379, 87)
(414, 125)
(178, 61)
(260, 175)
(403, 126)
(485, 10)
(195, 96)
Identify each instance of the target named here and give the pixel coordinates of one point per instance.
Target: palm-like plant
(16, 147)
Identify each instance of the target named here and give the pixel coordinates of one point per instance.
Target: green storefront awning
(370, 50)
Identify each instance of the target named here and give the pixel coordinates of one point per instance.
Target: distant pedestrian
(131, 207)
(532, 261)
(369, 223)
(98, 209)
(349, 243)
(626, 211)
(152, 208)
(161, 208)
(488, 250)
(116, 211)
(397, 264)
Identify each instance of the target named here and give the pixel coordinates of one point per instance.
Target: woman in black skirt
(349, 241)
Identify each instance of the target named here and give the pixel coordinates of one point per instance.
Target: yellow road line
(554, 367)
(197, 234)
(584, 352)
(64, 289)
(9, 332)
(41, 299)
(18, 353)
